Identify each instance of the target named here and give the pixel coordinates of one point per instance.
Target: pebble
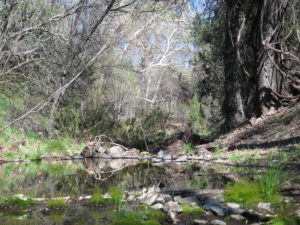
(233, 205)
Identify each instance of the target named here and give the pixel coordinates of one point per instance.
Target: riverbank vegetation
(145, 78)
(173, 81)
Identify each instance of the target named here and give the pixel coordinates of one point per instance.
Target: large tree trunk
(269, 78)
(233, 103)
(263, 89)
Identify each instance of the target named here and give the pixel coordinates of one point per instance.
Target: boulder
(100, 155)
(101, 149)
(89, 150)
(132, 152)
(115, 151)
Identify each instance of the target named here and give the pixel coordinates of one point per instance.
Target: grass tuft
(56, 204)
(264, 188)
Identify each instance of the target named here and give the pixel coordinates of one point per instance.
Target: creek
(76, 181)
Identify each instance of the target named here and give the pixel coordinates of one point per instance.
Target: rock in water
(132, 152)
(215, 207)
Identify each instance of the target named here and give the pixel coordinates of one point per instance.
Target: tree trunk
(233, 103)
(269, 79)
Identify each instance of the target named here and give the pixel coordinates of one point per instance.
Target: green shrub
(250, 193)
(55, 146)
(57, 203)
